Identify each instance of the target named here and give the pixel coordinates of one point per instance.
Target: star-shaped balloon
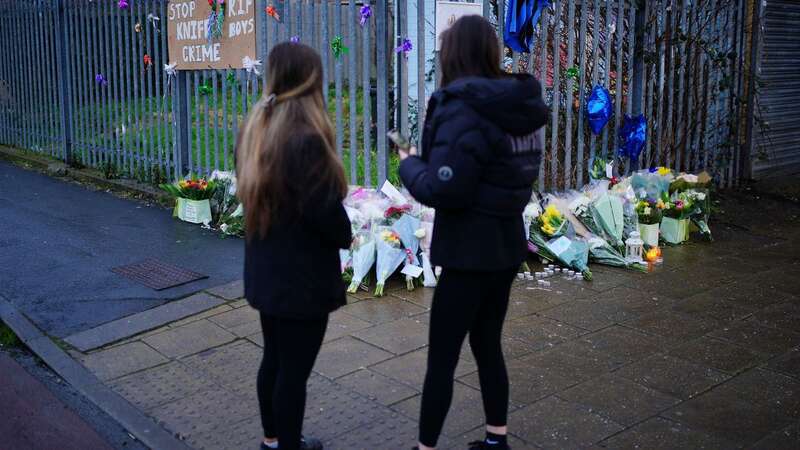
(598, 108)
(632, 136)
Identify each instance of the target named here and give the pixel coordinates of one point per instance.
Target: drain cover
(157, 275)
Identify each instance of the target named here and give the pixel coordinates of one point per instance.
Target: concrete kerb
(139, 425)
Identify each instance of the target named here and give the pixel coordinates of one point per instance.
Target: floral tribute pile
(614, 221)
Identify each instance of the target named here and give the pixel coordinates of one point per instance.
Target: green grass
(212, 138)
(7, 337)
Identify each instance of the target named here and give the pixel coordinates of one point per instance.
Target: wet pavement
(702, 353)
(59, 241)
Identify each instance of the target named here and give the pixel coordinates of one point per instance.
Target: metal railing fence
(84, 81)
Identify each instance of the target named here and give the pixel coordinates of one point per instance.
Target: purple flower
(123, 4)
(366, 13)
(405, 47)
(294, 39)
(101, 79)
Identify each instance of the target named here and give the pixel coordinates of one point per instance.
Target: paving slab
(718, 354)
(227, 364)
(778, 391)
(241, 435)
(674, 325)
(466, 410)
(207, 410)
(536, 376)
(420, 297)
(122, 360)
(189, 339)
(236, 317)
(786, 438)
(398, 337)
(229, 291)
(710, 306)
(780, 315)
(558, 424)
(658, 433)
(375, 386)
(512, 349)
(724, 415)
(623, 401)
(382, 310)
(138, 323)
(347, 355)
(590, 315)
(622, 344)
(540, 332)
(163, 384)
(752, 335)
(333, 410)
(342, 324)
(673, 376)
(387, 431)
(410, 368)
(787, 364)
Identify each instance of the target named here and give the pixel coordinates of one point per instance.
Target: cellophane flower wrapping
(363, 252)
(406, 227)
(653, 183)
(560, 244)
(390, 254)
(427, 216)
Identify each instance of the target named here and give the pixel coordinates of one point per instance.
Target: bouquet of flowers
(406, 227)
(192, 199)
(649, 211)
(390, 255)
(362, 258)
(554, 239)
(702, 200)
(602, 253)
(653, 182)
(192, 188)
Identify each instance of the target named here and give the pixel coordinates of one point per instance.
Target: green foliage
(7, 337)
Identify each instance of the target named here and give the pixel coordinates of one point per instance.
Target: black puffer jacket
(294, 271)
(480, 157)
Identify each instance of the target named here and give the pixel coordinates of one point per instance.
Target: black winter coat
(294, 271)
(480, 157)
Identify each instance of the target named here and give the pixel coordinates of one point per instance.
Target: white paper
(560, 245)
(448, 12)
(394, 195)
(412, 271)
(609, 170)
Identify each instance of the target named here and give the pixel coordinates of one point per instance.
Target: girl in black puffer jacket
(481, 151)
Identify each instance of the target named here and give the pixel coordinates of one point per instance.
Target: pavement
(33, 418)
(59, 241)
(704, 352)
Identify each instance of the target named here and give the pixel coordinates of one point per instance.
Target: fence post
(638, 59)
(746, 158)
(383, 70)
(183, 123)
(65, 92)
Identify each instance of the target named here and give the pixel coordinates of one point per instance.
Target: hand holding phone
(399, 140)
(404, 147)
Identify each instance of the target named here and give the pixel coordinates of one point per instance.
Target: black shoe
(309, 444)
(305, 444)
(482, 445)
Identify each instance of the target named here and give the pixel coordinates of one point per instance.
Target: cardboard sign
(189, 45)
(448, 12)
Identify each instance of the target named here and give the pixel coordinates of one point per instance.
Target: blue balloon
(632, 136)
(599, 108)
(521, 18)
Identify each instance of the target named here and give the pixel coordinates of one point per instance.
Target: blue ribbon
(521, 18)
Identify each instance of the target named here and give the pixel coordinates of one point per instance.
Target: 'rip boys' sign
(189, 43)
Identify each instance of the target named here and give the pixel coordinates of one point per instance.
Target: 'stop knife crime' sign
(193, 47)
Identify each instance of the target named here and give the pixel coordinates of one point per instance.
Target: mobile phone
(399, 140)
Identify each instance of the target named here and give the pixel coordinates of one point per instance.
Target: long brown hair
(469, 49)
(292, 103)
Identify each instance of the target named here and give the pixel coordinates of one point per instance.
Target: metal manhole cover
(157, 275)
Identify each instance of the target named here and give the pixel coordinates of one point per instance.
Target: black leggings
(474, 303)
(290, 349)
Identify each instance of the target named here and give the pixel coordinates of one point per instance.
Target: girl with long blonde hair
(291, 184)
